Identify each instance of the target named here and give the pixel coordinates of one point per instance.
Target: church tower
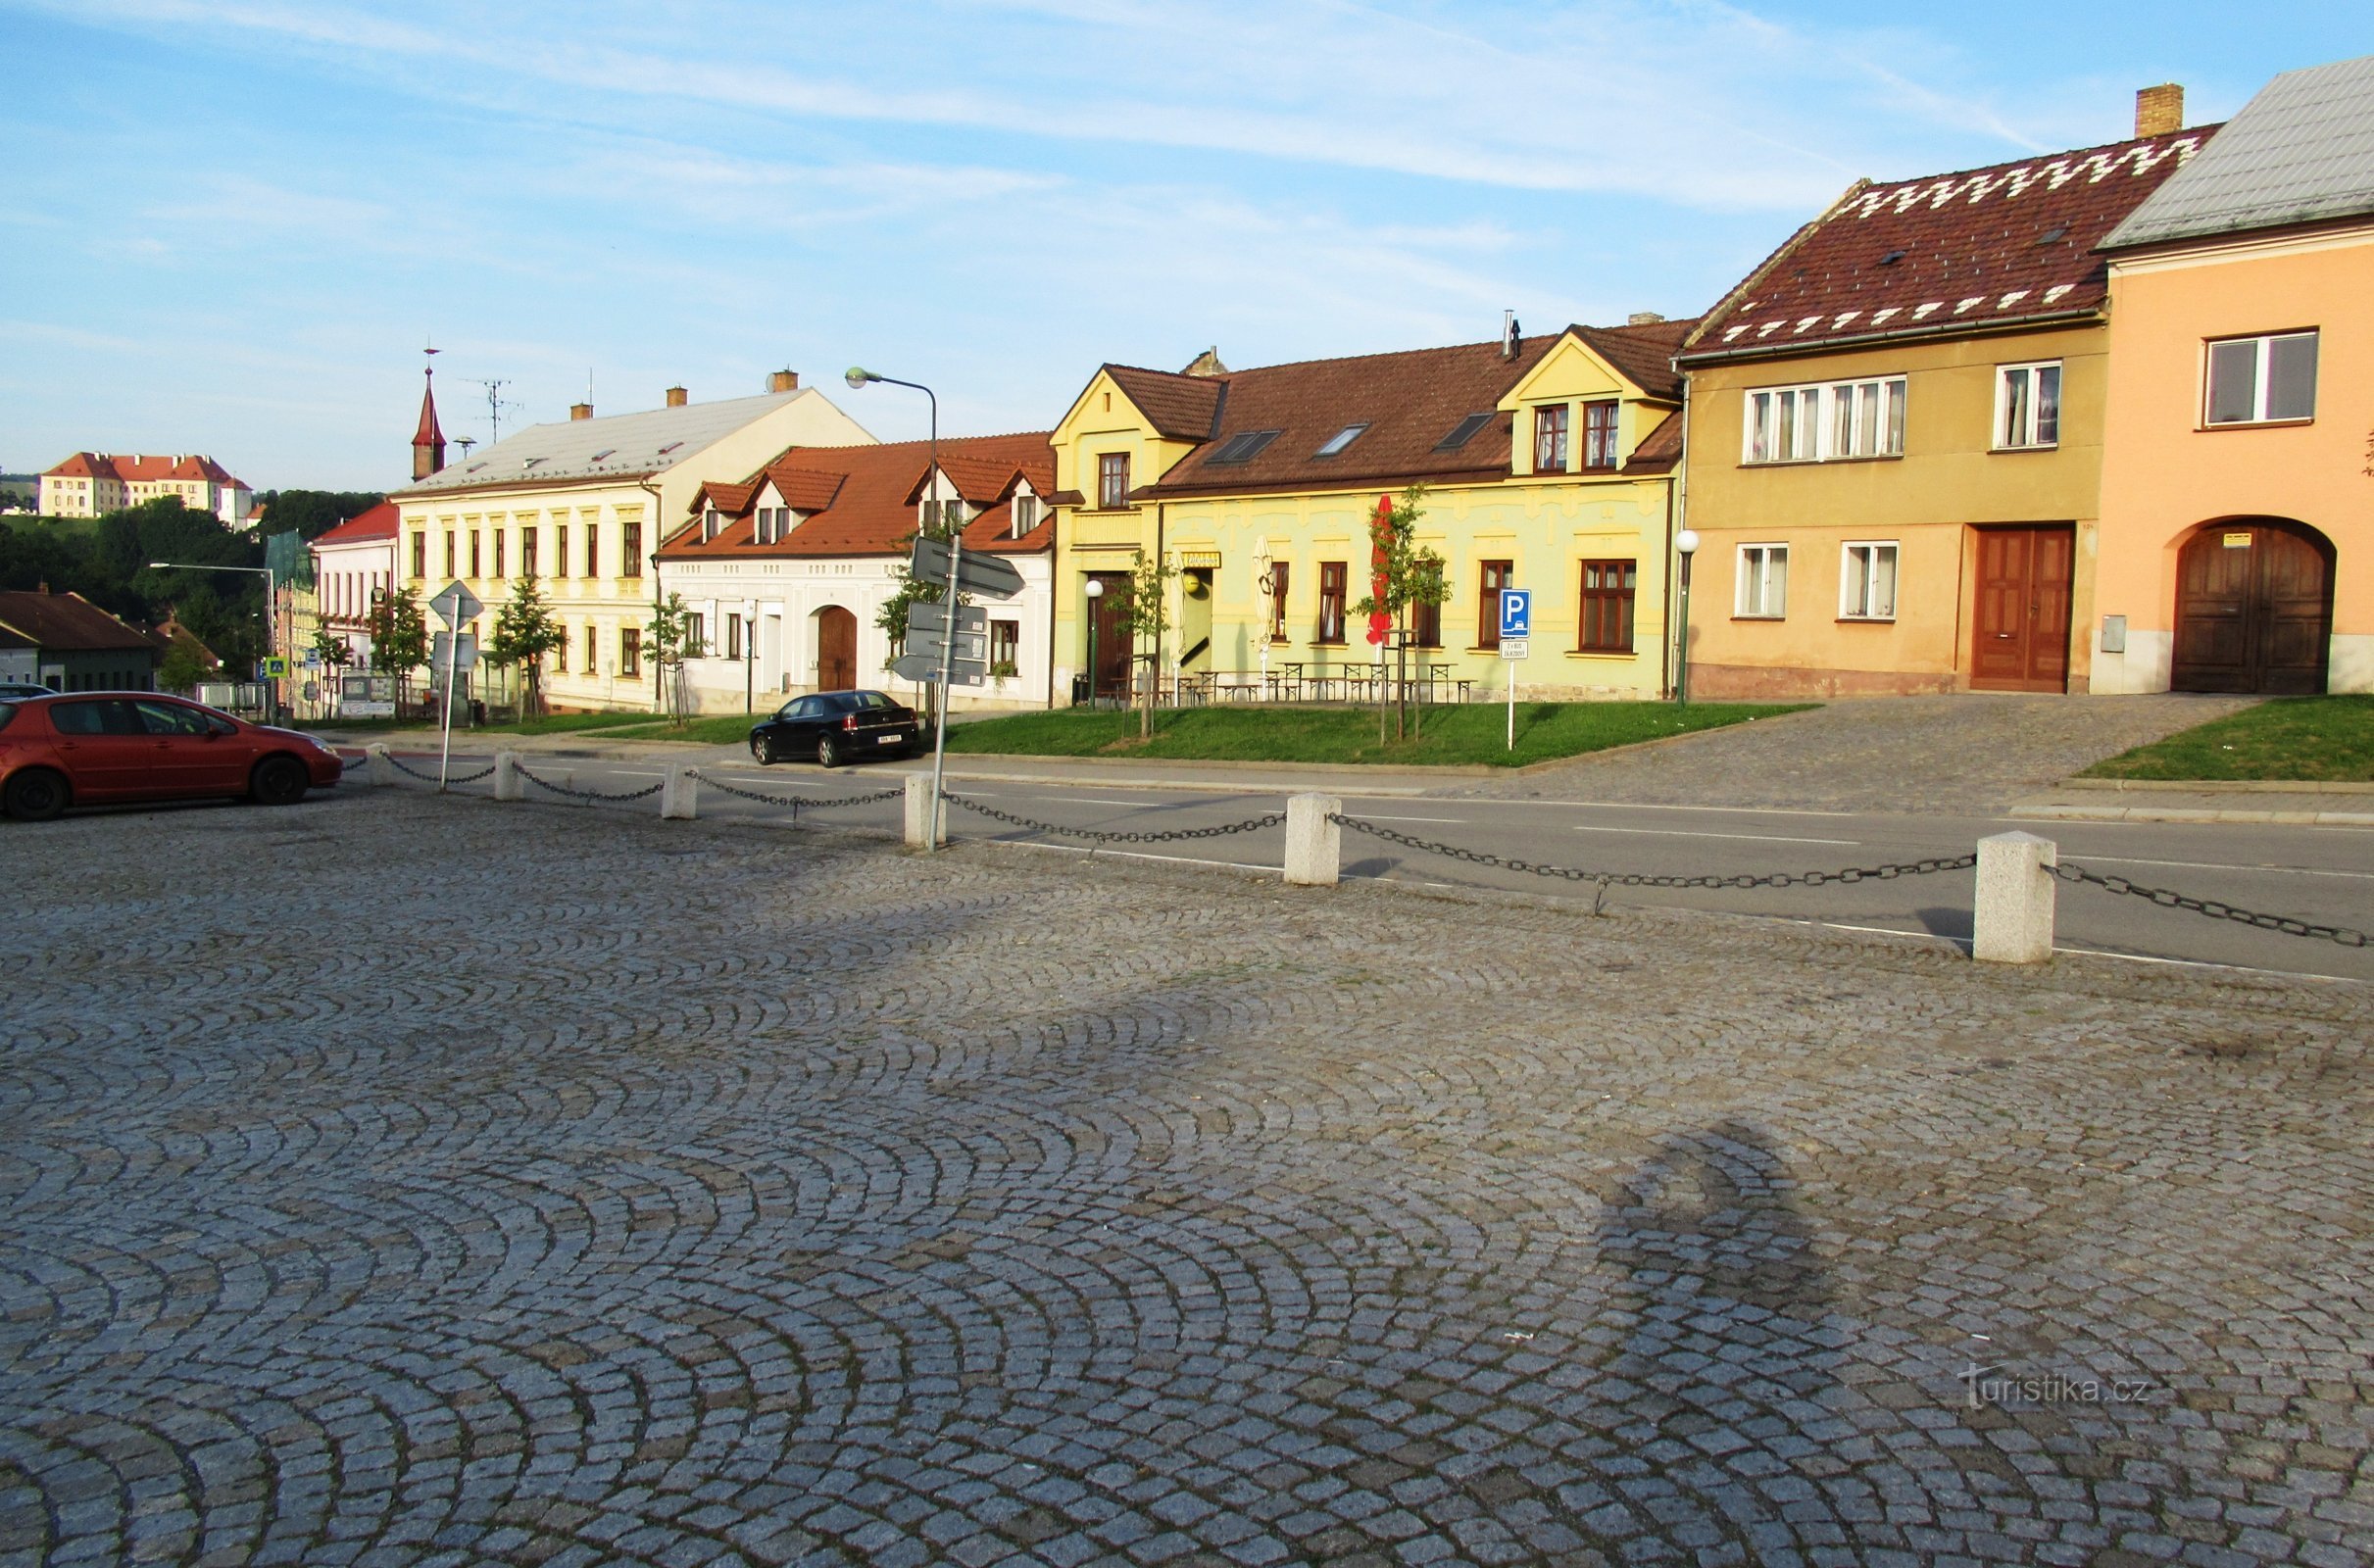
(427, 442)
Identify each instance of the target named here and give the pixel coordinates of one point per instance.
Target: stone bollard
(2014, 914)
(509, 785)
(1314, 846)
(377, 769)
(921, 821)
(680, 797)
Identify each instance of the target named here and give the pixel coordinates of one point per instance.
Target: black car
(837, 727)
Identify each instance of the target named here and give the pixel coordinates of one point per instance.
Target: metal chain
(797, 802)
(1641, 879)
(431, 778)
(1266, 820)
(587, 795)
(2168, 899)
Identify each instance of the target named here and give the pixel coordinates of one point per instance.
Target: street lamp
(1685, 542)
(1264, 578)
(271, 591)
(750, 636)
(858, 376)
(1095, 591)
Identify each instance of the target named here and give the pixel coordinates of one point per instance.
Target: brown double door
(1113, 646)
(836, 649)
(2019, 625)
(2254, 609)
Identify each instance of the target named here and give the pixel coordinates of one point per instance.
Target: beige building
(581, 506)
(91, 483)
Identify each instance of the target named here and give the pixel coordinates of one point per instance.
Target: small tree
(525, 633)
(667, 643)
(182, 667)
(1148, 618)
(1412, 575)
(332, 649)
(943, 520)
(399, 636)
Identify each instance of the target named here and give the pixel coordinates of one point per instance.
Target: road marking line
(1684, 833)
(1099, 800)
(1379, 816)
(2212, 865)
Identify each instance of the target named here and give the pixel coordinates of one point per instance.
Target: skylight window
(1463, 432)
(530, 462)
(2057, 231)
(671, 447)
(1891, 258)
(1244, 446)
(604, 453)
(1341, 440)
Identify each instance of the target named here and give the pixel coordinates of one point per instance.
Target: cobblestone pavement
(396, 1180)
(1963, 754)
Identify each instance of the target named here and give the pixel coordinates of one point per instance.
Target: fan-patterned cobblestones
(395, 1180)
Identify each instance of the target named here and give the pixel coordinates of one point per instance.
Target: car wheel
(828, 751)
(279, 782)
(36, 795)
(761, 750)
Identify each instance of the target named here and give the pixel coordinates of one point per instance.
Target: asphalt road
(2320, 874)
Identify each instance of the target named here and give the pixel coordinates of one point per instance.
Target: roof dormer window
(712, 519)
(1025, 513)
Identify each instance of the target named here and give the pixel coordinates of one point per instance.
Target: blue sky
(229, 225)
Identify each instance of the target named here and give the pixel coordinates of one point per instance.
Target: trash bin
(1079, 690)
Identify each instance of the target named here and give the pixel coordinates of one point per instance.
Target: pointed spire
(427, 441)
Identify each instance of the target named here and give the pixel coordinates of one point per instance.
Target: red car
(102, 747)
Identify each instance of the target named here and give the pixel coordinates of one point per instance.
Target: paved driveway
(1974, 753)
(486, 1184)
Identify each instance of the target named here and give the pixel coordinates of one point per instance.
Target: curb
(2223, 786)
(2181, 814)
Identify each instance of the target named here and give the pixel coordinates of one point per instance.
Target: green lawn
(2318, 739)
(719, 729)
(549, 724)
(1474, 732)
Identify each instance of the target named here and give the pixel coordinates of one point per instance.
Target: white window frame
(1828, 421)
(2262, 364)
(1763, 555)
(2030, 436)
(1021, 525)
(1849, 609)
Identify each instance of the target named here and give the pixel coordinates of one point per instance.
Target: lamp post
(1095, 592)
(1685, 543)
(750, 637)
(857, 377)
(1264, 578)
(271, 591)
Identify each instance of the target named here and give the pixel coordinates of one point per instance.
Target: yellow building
(1896, 433)
(1547, 466)
(583, 506)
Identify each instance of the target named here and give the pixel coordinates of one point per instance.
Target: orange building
(2237, 536)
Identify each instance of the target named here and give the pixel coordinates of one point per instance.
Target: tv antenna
(495, 403)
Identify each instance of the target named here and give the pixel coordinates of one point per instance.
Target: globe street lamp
(1685, 542)
(750, 637)
(271, 591)
(1095, 591)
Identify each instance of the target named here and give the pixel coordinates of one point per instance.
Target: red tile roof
(379, 522)
(143, 468)
(1179, 406)
(1409, 400)
(1980, 247)
(64, 622)
(860, 501)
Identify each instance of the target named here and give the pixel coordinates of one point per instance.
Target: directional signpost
(1516, 631)
(454, 605)
(953, 656)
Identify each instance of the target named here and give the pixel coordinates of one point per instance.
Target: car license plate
(886, 740)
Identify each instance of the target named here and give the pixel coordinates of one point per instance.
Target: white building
(352, 565)
(788, 570)
(90, 484)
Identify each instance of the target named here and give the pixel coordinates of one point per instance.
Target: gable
(1569, 372)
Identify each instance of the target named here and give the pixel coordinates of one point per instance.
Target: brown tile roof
(1660, 449)
(868, 499)
(379, 522)
(1977, 248)
(1180, 407)
(63, 622)
(1410, 402)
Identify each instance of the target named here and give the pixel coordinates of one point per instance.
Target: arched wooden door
(836, 649)
(2253, 609)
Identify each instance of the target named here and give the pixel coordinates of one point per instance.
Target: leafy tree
(945, 522)
(1148, 619)
(399, 636)
(310, 513)
(525, 633)
(332, 649)
(182, 667)
(667, 643)
(1412, 575)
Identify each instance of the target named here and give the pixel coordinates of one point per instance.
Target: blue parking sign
(1516, 611)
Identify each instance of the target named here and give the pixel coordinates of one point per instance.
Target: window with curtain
(1605, 626)
(1497, 576)
(1333, 579)
(1550, 439)
(1599, 435)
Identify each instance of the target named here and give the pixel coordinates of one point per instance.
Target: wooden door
(1113, 646)
(2019, 621)
(2253, 609)
(836, 649)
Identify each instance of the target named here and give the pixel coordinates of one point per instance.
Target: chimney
(675, 397)
(1508, 334)
(2159, 111)
(782, 380)
(1642, 319)
(580, 411)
